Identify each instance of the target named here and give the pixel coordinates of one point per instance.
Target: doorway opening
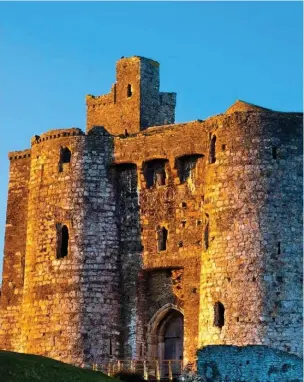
(166, 339)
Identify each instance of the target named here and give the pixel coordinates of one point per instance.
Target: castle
(142, 238)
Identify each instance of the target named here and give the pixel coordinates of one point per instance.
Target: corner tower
(134, 102)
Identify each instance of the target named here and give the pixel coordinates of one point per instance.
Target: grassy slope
(16, 367)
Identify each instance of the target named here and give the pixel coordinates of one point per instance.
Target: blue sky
(211, 53)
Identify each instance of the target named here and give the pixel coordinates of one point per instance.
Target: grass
(16, 367)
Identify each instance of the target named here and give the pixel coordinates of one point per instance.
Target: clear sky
(211, 53)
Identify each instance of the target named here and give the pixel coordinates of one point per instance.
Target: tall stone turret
(65, 271)
(252, 264)
(134, 102)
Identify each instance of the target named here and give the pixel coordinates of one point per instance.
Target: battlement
(22, 154)
(134, 102)
(57, 133)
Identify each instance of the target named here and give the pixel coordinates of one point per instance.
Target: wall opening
(62, 241)
(110, 347)
(219, 314)
(65, 157)
(162, 239)
(275, 153)
(186, 167)
(206, 232)
(126, 179)
(155, 173)
(212, 153)
(166, 338)
(129, 91)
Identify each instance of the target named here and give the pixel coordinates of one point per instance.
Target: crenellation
(141, 226)
(22, 154)
(53, 134)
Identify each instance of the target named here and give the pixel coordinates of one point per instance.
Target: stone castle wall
(233, 196)
(14, 251)
(253, 258)
(226, 192)
(248, 363)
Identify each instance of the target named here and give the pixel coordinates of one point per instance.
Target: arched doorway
(166, 337)
(173, 336)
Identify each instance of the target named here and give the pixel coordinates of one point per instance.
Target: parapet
(22, 154)
(53, 134)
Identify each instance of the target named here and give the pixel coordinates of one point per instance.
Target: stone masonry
(201, 219)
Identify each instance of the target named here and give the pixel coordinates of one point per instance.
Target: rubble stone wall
(14, 250)
(248, 363)
(254, 260)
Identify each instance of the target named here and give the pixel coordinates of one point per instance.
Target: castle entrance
(166, 339)
(173, 336)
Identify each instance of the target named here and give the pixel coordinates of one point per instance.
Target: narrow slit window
(110, 346)
(275, 153)
(129, 91)
(212, 154)
(219, 315)
(279, 248)
(206, 233)
(162, 239)
(63, 241)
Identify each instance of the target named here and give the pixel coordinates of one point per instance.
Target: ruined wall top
(134, 102)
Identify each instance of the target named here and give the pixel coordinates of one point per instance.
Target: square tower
(134, 102)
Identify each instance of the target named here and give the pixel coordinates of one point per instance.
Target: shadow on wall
(129, 230)
(100, 321)
(253, 363)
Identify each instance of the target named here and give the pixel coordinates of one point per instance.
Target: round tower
(70, 304)
(251, 275)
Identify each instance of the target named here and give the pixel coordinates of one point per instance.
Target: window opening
(206, 233)
(219, 315)
(186, 167)
(155, 173)
(212, 156)
(65, 157)
(162, 239)
(63, 241)
(279, 247)
(110, 346)
(129, 91)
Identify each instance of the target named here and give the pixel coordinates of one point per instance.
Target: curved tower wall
(14, 250)
(69, 303)
(253, 264)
